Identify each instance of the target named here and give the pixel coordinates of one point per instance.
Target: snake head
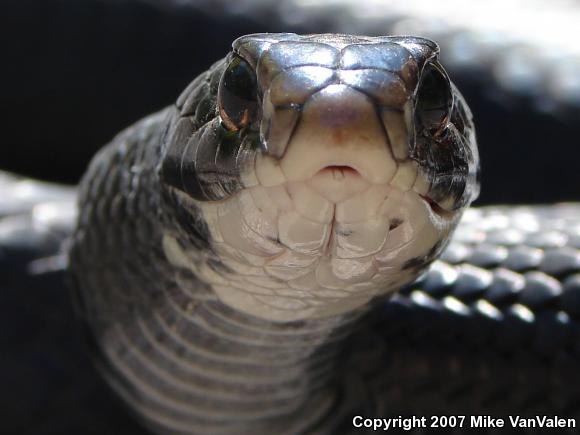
(338, 165)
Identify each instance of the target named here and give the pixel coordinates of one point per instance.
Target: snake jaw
(324, 245)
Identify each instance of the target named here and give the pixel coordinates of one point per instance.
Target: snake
(277, 198)
(290, 245)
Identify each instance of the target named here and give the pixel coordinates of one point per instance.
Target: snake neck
(193, 366)
(209, 369)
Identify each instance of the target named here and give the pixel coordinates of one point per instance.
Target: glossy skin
(223, 265)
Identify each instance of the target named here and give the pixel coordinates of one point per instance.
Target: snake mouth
(337, 182)
(339, 171)
(436, 208)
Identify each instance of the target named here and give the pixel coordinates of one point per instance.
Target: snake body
(223, 297)
(490, 328)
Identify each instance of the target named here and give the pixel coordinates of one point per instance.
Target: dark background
(74, 73)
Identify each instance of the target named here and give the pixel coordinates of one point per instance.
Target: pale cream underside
(297, 254)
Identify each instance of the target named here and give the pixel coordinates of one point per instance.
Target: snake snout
(338, 137)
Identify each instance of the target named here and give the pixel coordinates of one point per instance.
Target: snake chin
(290, 252)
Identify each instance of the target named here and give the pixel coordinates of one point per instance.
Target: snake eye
(237, 98)
(433, 99)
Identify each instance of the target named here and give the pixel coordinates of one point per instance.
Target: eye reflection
(433, 100)
(237, 95)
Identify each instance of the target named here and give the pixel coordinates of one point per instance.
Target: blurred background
(76, 72)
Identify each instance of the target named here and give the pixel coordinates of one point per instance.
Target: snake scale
(490, 328)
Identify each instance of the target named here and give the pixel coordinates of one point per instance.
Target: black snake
(199, 335)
